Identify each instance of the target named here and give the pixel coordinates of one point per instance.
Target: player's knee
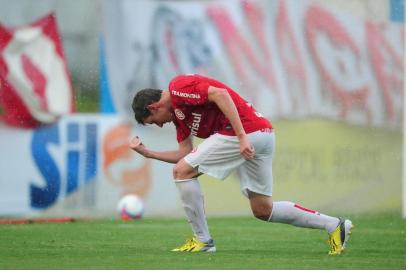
(262, 212)
(176, 172)
(180, 172)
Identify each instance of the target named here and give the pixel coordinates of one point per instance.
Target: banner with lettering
(291, 59)
(80, 167)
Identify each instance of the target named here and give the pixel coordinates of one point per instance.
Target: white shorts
(219, 155)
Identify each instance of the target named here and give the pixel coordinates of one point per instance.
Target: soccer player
(237, 137)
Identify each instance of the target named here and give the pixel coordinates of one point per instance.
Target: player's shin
(291, 213)
(193, 204)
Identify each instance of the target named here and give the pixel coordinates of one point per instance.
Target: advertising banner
(289, 58)
(81, 166)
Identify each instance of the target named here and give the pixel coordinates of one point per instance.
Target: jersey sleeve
(189, 90)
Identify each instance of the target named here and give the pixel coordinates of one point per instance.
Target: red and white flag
(35, 86)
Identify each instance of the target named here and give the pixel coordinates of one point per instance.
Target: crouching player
(236, 138)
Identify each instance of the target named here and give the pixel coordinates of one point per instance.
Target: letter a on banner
(35, 86)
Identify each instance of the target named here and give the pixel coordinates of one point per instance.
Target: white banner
(289, 58)
(81, 166)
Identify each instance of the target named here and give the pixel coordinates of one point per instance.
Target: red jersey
(196, 115)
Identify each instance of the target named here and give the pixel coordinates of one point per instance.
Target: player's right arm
(185, 147)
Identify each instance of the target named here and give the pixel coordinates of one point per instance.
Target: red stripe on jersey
(305, 209)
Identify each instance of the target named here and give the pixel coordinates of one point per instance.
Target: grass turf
(378, 242)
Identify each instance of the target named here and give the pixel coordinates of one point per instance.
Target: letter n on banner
(35, 86)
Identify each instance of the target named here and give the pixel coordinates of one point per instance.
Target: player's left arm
(223, 100)
(185, 147)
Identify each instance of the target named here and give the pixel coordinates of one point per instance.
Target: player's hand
(246, 148)
(138, 146)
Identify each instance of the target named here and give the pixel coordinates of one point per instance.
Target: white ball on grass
(130, 207)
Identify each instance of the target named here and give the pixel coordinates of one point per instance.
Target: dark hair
(141, 101)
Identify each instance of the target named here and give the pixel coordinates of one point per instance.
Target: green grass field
(378, 242)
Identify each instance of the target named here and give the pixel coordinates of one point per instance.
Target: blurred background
(327, 73)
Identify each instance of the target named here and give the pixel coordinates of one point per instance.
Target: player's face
(159, 116)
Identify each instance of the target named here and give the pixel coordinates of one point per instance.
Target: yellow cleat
(339, 238)
(194, 245)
